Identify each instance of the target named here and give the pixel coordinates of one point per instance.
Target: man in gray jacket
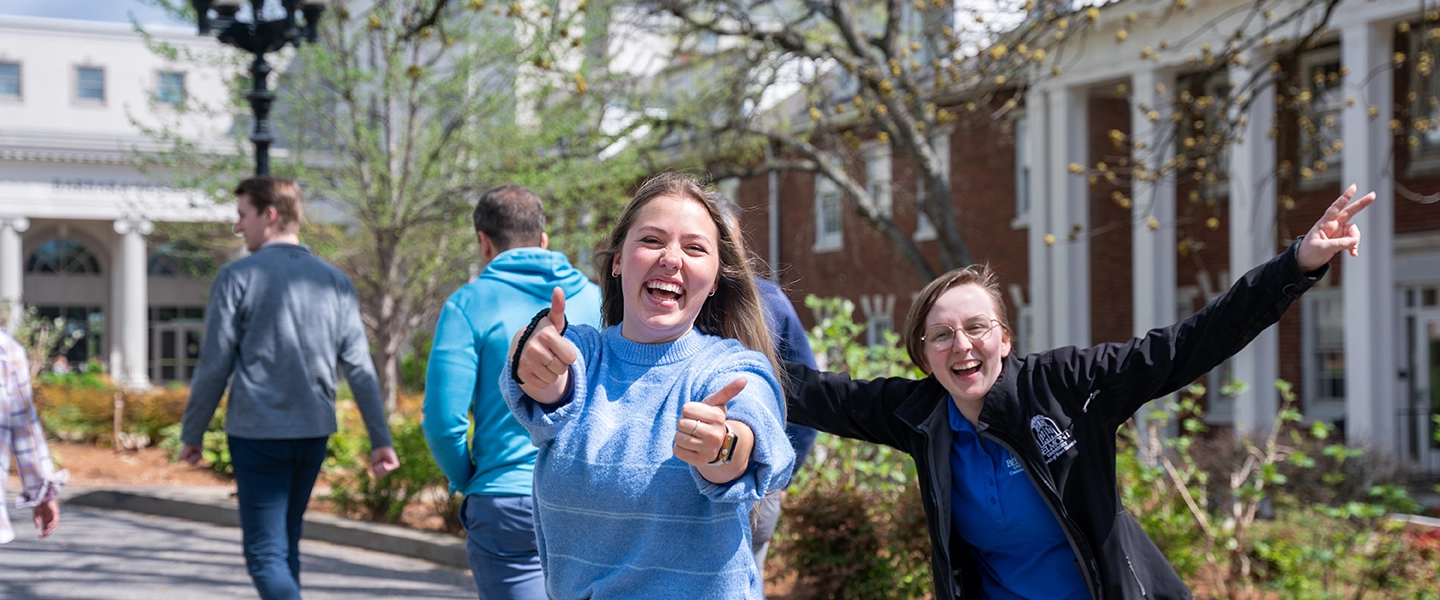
(279, 321)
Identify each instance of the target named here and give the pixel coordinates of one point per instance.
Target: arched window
(180, 259)
(61, 256)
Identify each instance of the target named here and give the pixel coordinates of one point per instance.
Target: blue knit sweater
(617, 515)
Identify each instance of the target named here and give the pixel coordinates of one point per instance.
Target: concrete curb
(213, 505)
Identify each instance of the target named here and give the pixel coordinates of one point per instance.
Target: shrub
(215, 448)
(356, 493)
(81, 407)
(853, 526)
(1293, 512)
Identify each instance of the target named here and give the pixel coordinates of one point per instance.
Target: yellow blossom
(1213, 223)
(1049, 239)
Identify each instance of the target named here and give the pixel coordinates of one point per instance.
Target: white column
(1152, 260)
(12, 269)
(1068, 195)
(1040, 294)
(1371, 365)
(1252, 241)
(134, 304)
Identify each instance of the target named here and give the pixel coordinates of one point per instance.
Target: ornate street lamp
(259, 37)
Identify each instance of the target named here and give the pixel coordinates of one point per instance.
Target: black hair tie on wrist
(525, 337)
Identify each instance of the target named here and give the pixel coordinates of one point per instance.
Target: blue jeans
(500, 545)
(274, 478)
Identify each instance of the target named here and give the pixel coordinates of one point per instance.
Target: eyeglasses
(940, 338)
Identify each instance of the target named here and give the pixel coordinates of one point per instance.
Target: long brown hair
(734, 311)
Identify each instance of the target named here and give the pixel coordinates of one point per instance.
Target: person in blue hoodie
(659, 433)
(493, 467)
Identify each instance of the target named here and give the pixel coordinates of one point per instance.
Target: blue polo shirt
(1020, 548)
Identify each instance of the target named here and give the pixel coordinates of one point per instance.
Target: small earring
(614, 273)
(712, 292)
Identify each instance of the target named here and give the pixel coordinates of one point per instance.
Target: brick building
(1362, 349)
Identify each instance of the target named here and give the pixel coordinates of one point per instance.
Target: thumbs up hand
(544, 366)
(701, 429)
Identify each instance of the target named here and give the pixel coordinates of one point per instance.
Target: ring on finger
(695, 429)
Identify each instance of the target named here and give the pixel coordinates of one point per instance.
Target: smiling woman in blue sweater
(657, 434)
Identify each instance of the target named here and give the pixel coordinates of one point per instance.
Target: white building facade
(1370, 347)
(77, 212)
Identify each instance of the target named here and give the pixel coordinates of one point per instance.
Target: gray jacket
(279, 321)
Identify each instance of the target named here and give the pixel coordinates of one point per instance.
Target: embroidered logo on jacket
(1049, 438)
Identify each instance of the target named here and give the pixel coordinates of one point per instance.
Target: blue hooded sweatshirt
(472, 342)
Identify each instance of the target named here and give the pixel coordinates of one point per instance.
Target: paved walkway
(110, 555)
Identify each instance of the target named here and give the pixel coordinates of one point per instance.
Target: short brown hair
(511, 216)
(265, 191)
(980, 275)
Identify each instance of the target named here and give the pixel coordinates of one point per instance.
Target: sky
(113, 11)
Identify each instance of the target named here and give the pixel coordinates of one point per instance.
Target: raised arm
(1125, 376)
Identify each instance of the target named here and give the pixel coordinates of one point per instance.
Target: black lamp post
(259, 38)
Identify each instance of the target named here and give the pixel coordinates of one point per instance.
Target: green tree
(395, 121)
(757, 85)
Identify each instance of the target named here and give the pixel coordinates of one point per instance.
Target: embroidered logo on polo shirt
(1049, 438)
(1012, 464)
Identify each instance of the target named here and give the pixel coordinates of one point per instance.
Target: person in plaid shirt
(20, 435)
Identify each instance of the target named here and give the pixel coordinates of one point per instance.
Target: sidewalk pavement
(213, 504)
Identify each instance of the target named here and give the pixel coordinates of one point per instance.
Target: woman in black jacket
(1016, 456)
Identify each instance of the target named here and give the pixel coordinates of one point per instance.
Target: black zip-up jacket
(1058, 412)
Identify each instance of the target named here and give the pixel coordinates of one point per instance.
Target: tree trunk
(387, 367)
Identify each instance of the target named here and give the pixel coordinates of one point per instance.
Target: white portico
(1367, 347)
(77, 213)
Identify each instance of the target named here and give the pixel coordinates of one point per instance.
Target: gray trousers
(765, 515)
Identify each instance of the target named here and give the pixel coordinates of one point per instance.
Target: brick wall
(982, 169)
(1112, 302)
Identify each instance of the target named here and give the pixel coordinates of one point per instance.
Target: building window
(829, 210)
(879, 312)
(924, 229)
(174, 259)
(90, 83)
(877, 178)
(63, 257)
(1320, 121)
(1021, 129)
(1323, 343)
(171, 89)
(83, 325)
(1425, 108)
(10, 80)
